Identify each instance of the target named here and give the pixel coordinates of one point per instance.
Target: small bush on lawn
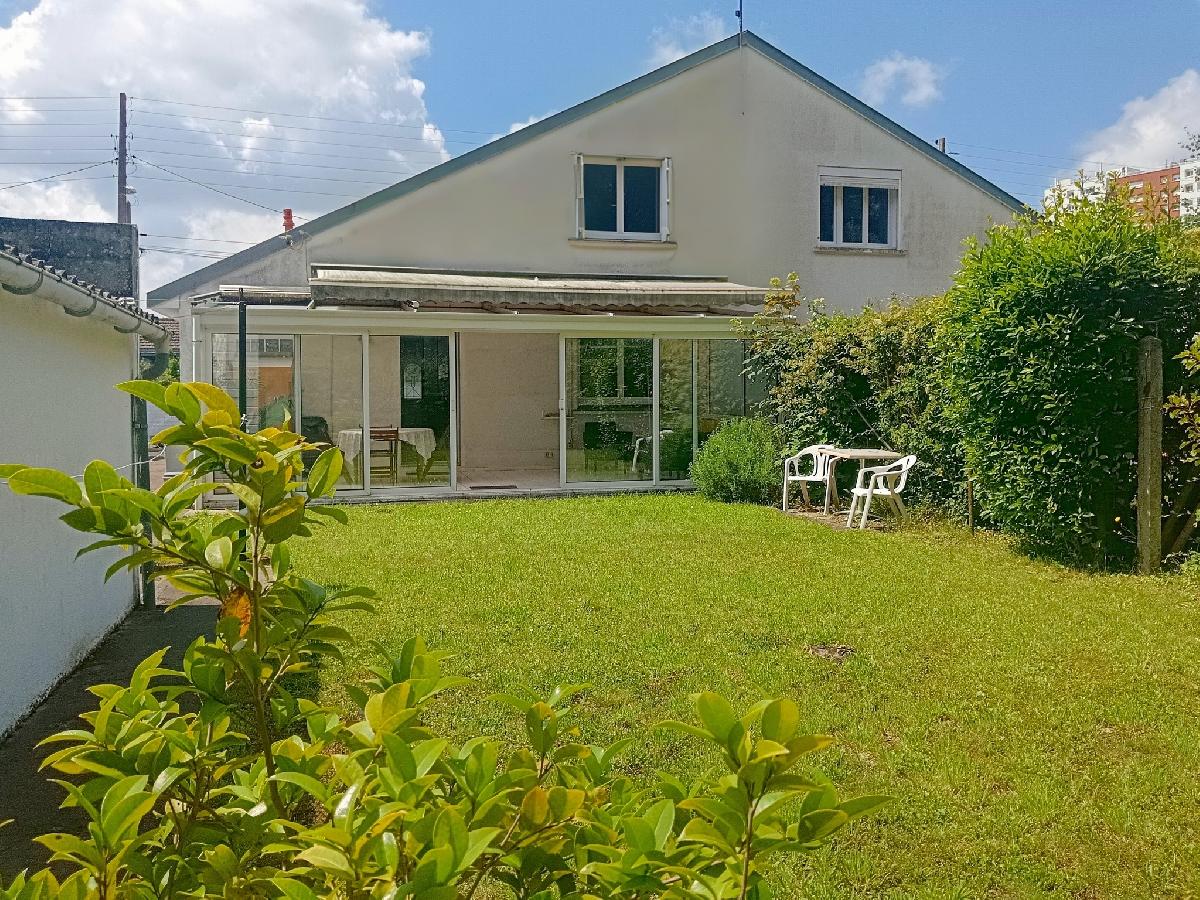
(217, 781)
(739, 463)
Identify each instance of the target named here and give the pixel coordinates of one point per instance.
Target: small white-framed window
(623, 198)
(859, 207)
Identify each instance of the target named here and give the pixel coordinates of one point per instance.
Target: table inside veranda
(423, 440)
(863, 455)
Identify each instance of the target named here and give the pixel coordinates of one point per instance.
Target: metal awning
(413, 290)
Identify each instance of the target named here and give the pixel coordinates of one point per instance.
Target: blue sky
(1039, 77)
(1024, 91)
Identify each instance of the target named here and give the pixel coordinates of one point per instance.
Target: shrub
(869, 379)
(1044, 319)
(739, 463)
(218, 780)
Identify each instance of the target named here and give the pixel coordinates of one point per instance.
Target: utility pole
(124, 213)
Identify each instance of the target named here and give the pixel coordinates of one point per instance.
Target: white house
(553, 309)
(64, 344)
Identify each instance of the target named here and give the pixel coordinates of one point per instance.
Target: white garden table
(863, 455)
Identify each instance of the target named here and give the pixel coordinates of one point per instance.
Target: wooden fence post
(1149, 463)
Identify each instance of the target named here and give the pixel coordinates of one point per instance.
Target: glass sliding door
(409, 443)
(331, 398)
(720, 384)
(676, 408)
(609, 414)
(270, 376)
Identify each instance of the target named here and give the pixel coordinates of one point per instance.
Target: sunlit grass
(1038, 726)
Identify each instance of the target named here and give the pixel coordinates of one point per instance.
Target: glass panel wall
(270, 376)
(609, 382)
(409, 443)
(675, 416)
(331, 398)
(720, 385)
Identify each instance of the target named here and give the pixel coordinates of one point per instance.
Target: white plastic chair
(819, 473)
(880, 481)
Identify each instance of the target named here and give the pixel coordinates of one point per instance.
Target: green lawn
(1038, 726)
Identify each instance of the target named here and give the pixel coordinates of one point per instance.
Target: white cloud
(684, 36)
(53, 200)
(517, 126)
(1150, 129)
(918, 80)
(308, 57)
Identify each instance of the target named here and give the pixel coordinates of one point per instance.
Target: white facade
(567, 290)
(59, 410)
(1189, 187)
(747, 140)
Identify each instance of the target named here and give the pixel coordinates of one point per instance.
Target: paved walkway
(25, 794)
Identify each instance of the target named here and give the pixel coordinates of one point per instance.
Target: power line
(58, 175)
(203, 185)
(324, 178)
(179, 237)
(271, 162)
(280, 150)
(247, 125)
(260, 112)
(53, 162)
(61, 180)
(267, 137)
(248, 187)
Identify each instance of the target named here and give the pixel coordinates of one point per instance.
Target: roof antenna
(741, 22)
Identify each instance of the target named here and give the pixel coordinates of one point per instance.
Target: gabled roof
(573, 114)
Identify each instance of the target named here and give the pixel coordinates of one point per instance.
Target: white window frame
(839, 177)
(662, 163)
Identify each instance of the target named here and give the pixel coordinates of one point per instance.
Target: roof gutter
(23, 277)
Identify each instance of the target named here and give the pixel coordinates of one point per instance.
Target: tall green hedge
(1044, 319)
(1022, 377)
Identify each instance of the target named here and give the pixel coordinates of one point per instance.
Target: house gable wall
(745, 136)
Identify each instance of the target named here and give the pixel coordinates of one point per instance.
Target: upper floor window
(622, 198)
(859, 207)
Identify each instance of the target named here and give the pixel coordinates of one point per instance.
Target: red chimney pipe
(288, 224)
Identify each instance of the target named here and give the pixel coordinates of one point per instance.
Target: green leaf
(325, 472)
(327, 859)
(98, 477)
(7, 469)
(219, 553)
(46, 483)
(305, 782)
(780, 720)
(860, 806)
(181, 403)
(229, 448)
(214, 398)
(150, 391)
(716, 714)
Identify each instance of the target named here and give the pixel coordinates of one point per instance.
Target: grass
(1038, 726)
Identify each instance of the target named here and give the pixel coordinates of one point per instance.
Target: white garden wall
(57, 408)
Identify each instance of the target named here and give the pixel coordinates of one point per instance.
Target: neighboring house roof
(579, 111)
(443, 290)
(172, 325)
(125, 313)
